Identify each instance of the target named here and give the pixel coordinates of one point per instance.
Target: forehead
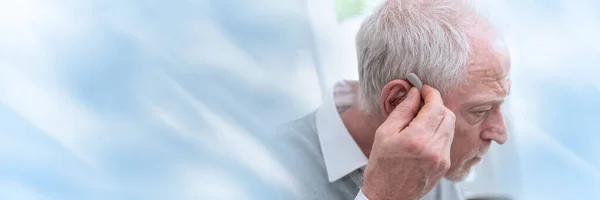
(488, 71)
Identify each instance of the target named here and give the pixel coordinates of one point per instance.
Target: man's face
(476, 104)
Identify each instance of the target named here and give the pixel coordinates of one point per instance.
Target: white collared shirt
(340, 152)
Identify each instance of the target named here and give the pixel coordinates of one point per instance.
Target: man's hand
(410, 154)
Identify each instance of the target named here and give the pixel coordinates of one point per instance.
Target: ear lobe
(393, 93)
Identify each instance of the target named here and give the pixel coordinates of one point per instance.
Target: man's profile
(380, 137)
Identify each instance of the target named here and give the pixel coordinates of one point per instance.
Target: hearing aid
(415, 81)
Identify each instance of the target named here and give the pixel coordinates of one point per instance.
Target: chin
(462, 172)
(459, 174)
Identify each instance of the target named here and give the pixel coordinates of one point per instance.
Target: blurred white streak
(26, 26)
(239, 144)
(212, 49)
(23, 149)
(207, 45)
(225, 139)
(29, 87)
(168, 118)
(304, 85)
(17, 20)
(524, 113)
(48, 108)
(15, 191)
(567, 154)
(552, 47)
(208, 184)
(29, 15)
(324, 26)
(62, 119)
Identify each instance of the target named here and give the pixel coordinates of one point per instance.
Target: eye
(480, 113)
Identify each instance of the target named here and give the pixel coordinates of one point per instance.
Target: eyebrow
(492, 99)
(477, 102)
(497, 101)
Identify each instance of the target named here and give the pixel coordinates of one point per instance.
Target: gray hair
(427, 37)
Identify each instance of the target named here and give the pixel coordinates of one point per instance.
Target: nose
(495, 128)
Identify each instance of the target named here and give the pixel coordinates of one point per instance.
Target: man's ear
(392, 94)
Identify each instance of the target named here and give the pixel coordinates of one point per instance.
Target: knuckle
(418, 129)
(450, 114)
(415, 147)
(435, 158)
(442, 109)
(381, 131)
(437, 161)
(435, 92)
(445, 164)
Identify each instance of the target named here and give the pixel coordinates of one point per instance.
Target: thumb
(405, 111)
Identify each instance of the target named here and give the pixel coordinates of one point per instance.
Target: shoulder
(299, 133)
(299, 151)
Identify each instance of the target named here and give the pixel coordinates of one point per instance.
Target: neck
(362, 127)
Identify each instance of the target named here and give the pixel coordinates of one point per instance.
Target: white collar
(340, 152)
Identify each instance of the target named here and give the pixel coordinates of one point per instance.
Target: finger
(445, 131)
(405, 111)
(431, 95)
(431, 115)
(443, 140)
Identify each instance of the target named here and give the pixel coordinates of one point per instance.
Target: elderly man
(408, 144)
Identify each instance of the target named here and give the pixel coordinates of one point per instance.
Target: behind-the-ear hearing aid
(415, 81)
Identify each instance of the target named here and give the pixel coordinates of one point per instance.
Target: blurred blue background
(175, 99)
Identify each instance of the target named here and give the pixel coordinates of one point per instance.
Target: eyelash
(480, 113)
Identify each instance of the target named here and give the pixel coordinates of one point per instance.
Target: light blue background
(173, 99)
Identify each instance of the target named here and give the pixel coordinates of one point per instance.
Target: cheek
(466, 139)
(464, 130)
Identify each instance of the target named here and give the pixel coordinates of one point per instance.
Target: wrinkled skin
(411, 154)
(477, 106)
(418, 143)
